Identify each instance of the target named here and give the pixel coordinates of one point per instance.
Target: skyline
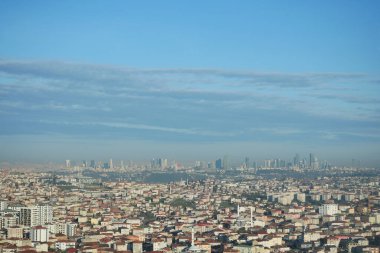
(193, 81)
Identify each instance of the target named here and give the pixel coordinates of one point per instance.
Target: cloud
(348, 98)
(131, 77)
(246, 88)
(202, 103)
(127, 125)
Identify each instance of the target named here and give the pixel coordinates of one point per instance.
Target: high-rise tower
(225, 162)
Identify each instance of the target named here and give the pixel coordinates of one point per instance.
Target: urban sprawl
(300, 206)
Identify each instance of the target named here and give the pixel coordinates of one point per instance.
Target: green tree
(180, 202)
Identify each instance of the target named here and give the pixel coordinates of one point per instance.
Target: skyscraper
(246, 162)
(313, 162)
(164, 163)
(218, 164)
(225, 162)
(311, 159)
(296, 160)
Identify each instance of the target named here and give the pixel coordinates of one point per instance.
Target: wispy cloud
(131, 77)
(198, 102)
(127, 125)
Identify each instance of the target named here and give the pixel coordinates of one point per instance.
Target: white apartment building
(39, 234)
(36, 215)
(328, 209)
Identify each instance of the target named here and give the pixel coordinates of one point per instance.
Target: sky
(189, 80)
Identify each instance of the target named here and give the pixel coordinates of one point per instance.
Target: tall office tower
(311, 159)
(277, 163)
(93, 164)
(160, 163)
(313, 162)
(68, 163)
(111, 164)
(296, 160)
(218, 164)
(267, 164)
(225, 163)
(246, 162)
(164, 164)
(152, 163)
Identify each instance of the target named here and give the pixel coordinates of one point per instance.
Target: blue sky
(189, 79)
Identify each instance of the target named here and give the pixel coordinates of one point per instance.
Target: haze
(189, 80)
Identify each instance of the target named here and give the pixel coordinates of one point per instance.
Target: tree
(226, 204)
(148, 216)
(183, 203)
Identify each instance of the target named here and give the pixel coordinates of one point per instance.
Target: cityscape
(203, 126)
(162, 206)
(221, 163)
